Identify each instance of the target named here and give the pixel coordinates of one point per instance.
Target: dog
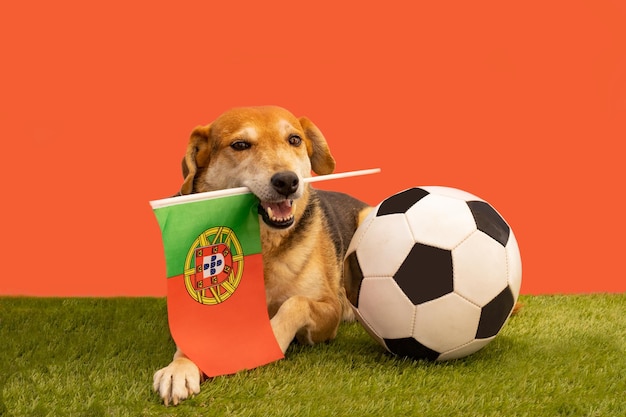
(304, 232)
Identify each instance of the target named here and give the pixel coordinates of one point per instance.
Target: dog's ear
(196, 158)
(322, 161)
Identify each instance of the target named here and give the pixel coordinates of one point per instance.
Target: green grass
(561, 356)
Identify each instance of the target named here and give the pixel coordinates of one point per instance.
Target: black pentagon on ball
(494, 314)
(401, 202)
(426, 273)
(353, 277)
(410, 348)
(489, 221)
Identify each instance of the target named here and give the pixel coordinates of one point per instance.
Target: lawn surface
(561, 356)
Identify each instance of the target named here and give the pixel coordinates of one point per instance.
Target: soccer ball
(433, 273)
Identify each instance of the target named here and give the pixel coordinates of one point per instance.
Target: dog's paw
(177, 381)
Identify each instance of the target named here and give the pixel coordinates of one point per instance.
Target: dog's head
(266, 149)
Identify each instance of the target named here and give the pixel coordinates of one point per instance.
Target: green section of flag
(182, 224)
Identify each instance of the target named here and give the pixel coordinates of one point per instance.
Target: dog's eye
(240, 145)
(295, 140)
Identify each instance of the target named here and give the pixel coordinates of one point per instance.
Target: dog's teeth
(273, 217)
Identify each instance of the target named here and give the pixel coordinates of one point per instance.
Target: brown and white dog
(304, 232)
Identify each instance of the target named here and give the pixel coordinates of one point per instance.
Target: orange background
(522, 104)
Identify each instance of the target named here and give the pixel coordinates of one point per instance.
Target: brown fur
(303, 263)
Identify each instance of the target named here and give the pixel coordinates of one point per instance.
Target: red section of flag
(228, 337)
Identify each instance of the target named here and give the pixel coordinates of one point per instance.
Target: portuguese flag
(215, 290)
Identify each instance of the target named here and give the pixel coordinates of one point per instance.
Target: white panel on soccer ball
(480, 268)
(451, 192)
(440, 221)
(368, 327)
(446, 322)
(515, 265)
(384, 245)
(383, 305)
(360, 231)
(467, 349)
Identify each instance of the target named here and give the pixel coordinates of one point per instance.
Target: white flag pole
(243, 190)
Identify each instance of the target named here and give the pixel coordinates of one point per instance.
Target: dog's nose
(285, 182)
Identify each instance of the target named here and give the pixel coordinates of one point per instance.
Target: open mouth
(277, 214)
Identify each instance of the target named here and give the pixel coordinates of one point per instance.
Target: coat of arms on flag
(215, 286)
(214, 266)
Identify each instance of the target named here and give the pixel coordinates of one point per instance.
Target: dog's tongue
(280, 210)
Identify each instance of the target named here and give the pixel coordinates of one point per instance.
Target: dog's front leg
(179, 380)
(309, 320)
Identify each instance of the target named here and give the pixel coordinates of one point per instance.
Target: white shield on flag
(212, 265)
